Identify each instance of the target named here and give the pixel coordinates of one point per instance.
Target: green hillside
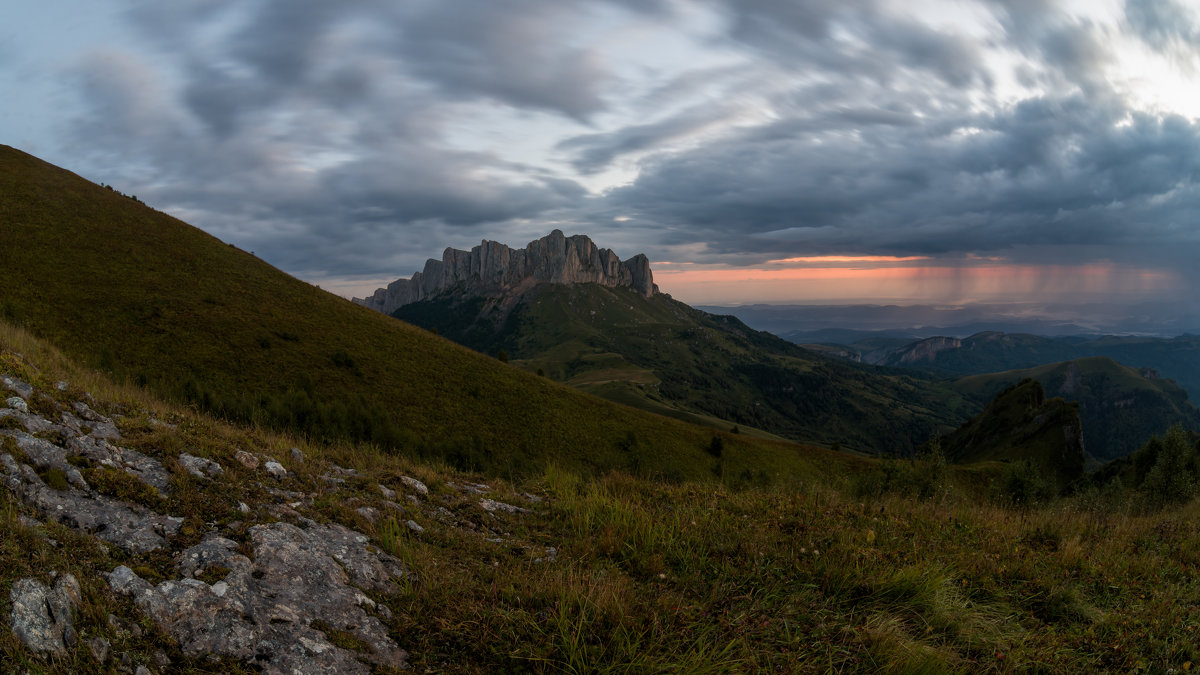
(1120, 407)
(160, 303)
(1022, 425)
(660, 354)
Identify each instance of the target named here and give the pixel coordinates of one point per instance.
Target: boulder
(41, 617)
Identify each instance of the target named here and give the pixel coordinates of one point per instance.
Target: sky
(786, 151)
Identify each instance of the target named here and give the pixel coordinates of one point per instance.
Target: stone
(415, 484)
(142, 670)
(41, 617)
(491, 506)
(23, 389)
(275, 469)
(412, 525)
(387, 492)
(200, 467)
(132, 527)
(246, 459)
(493, 267)
(99, 647)
(296, 455)
(17, 403)
(264, 608)
(369, 513)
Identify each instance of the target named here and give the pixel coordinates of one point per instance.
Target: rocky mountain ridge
(493, 267)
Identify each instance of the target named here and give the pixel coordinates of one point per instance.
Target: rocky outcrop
(493, 267)
(928, 349)
(282, 608)
(41, 617)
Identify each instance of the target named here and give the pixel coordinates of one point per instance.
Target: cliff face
(492, 267)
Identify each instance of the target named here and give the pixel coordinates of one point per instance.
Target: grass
(809, 575)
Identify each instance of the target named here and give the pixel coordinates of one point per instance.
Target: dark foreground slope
(658, 353)
(151, 299)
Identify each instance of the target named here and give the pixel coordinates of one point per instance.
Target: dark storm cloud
(1049, 171)
(812, 33)
(321, 134)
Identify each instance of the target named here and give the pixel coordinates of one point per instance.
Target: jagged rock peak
(492, 267)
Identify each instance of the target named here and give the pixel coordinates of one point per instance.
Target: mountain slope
(149, 298)
(658, 352)
(1121, 408)
(1021, 425)
(1176, 358)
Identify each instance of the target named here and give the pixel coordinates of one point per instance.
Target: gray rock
(200, 467)
(297, 455)
(143, 670)
(17, 403)
(275, 469)
(491, 506)
(387, 492)
(41, 616)
(132, 527)
(263, 610)
(246, 459)
(369, 513)
(99, 648)
(412, 525)
(415, 484)
(23, 389)
(492, 266)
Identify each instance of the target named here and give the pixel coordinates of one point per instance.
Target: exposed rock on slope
(493, 267)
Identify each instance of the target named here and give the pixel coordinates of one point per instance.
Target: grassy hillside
(155, 301)
(645, 577)
(658, 353)
(1121, 408)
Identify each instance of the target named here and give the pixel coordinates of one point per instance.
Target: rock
(200, 467)
(275, 469)
(387, 492)
(297, 456)
(532, 497)
(23, 389)
(412, 525)
(41, 616)
(246, 459)
(415, 485)
(492, 267)
(369, 513)
(551, 555)
(472, 488)
(414, 499)
(491, 506)
(264, 608)
(142, 670)
(243, 508)
(17, 403)
(134, 528)
(99, 647)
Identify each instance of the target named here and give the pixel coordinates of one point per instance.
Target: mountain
(495, 269)
(158, 303)
(659, 354)
(1120, 407)
(1177, 358)
(1021, 425)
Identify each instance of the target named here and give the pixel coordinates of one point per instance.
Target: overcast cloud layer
(352, 140)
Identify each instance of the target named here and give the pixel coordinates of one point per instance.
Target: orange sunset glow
(913, 284)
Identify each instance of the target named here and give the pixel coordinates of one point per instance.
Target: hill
(1176, 358)
(657, 353)
(155, 301)
(1120, 407)
(1021, 425)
